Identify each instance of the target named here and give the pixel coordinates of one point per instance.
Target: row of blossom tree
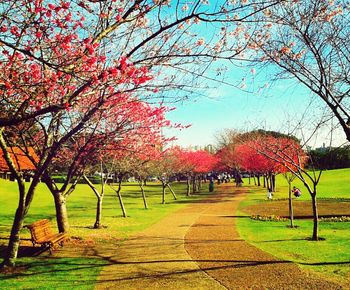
(269, 153)
(81, 72)
(68, 67)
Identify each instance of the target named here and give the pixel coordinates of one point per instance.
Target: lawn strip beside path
(213, 241)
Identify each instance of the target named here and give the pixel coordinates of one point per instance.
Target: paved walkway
(198, 247)
(156, 258)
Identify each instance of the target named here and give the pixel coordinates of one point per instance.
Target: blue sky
(229, 107)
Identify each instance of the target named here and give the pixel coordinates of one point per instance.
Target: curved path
(198, 247)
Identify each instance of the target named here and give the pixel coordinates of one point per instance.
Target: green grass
(331, 257)
(48, 273)
(333, 184)
(81, 210)
(82, 204)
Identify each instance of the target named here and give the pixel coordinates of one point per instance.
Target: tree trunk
(291, 214)
(61, 212)
(188, 185)
(199, 184)
(270, 182)
(13, 245)
(143, 194)
(98, 212)
(120, 199)
(194, 184)
(163, 193)
(99, 197)
(121, 203)
(172, 191)
(315, 216)
(273, 182)
(24, 201)
(258, 178)
(264, 181)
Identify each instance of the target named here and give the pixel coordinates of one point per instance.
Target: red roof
(20, 159)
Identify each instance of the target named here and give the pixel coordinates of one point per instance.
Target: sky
(274, 107)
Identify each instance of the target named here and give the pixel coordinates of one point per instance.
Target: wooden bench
(43, 234)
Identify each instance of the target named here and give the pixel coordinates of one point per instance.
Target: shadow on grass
(243, 262)
(53, 271)
(235, 216)
(227, 264)
(25, 251)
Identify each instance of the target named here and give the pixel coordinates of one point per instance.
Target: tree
(199, 163)
(330, 158)
(290, 155)
(253, 161)
(182, 165)
(129, 131)
(289, 177)
(226, 143)
(308, 41)
(165, 169)
(55, 128)
(60, 70)
(270, 153)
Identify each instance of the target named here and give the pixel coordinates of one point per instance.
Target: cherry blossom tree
(63, 64)
(181, 165)
(270, 153)
(289, 154)
(307, 40)
(196, 164)
(129, 131)
(165, 168)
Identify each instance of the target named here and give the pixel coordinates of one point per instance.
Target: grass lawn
(53, 273)
(81, 211)
(331, 257)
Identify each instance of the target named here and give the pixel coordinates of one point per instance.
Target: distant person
(296, 191)
(239, 180)
(219, 179)
(269, 194)
(211, 184)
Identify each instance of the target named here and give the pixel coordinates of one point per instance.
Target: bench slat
(43, 234)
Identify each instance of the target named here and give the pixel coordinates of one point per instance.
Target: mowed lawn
(330, 257)
(79, 271)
